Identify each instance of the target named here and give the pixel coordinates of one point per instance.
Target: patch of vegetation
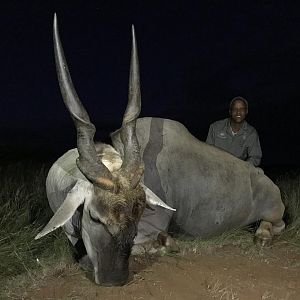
(289, 185)
(24, 211)
(240, 237)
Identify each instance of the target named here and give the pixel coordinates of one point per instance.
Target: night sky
(195, 56)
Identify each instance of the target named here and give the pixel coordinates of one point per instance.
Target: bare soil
(226, 273)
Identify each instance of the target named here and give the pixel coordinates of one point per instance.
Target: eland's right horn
(89, 165)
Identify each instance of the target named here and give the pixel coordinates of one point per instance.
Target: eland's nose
(112, 279)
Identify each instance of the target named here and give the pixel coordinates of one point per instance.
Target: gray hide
(211, 190)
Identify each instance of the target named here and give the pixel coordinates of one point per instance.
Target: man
(235, 135)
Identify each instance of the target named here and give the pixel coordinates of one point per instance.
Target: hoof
(167, 242)
(150, 247)
(264, 233)
(163, 245)
(263, 241)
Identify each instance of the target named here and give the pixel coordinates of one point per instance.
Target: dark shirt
(243, 144)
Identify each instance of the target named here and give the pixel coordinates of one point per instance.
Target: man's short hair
(240, 99)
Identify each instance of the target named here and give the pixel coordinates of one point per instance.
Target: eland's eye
(94, 218)
(137, 210)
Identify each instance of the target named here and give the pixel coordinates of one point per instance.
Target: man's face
(238, 111)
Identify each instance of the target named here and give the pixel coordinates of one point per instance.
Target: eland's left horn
(132, 164)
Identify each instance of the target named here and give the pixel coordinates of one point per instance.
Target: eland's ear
(75, 197)
(153, 199)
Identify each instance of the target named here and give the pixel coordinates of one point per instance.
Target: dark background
(195, 56)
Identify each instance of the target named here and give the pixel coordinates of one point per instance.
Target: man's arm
(254, 149)
(210, 136)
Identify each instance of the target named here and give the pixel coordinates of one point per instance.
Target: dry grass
(223, 292)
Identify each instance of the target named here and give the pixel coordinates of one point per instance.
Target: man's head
(238, 109)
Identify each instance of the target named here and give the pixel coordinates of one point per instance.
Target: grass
(218, 290)
(240, 237)
(289, 185)
(24, 211)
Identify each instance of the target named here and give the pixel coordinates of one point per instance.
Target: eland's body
(211, 190)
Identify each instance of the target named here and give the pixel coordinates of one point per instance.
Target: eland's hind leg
(271, 210)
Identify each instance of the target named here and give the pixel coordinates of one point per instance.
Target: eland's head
(112, 197)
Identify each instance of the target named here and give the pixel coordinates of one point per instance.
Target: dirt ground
(227, 273)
